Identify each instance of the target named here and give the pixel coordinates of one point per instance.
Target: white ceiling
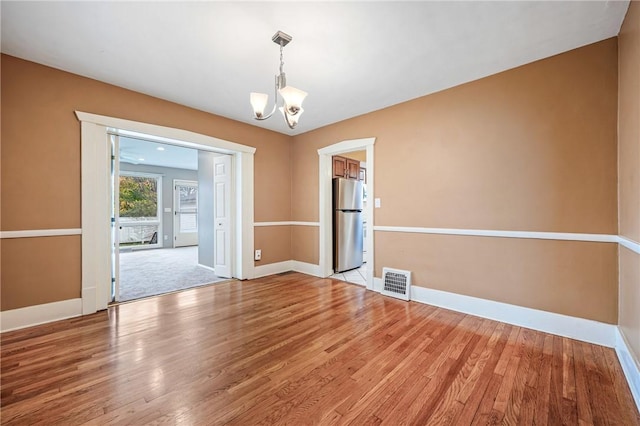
(351, 57)
(145, 152)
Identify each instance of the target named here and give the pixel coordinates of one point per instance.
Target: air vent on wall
(396, 283)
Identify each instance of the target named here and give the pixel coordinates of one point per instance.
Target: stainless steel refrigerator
(347, 224)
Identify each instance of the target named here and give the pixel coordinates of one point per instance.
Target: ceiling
(351, 57)
(145, 152)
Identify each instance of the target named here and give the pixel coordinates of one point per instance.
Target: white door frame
(325, 214)
(96, 202)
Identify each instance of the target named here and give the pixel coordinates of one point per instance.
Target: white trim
(347, 146)
(377, 284)
(630, 244)
(242, 220)
(207, 267)
(162, 134)
(273, 268)
(630, 366)
(549, 322)
(96, 187)
(602, 238)
(15, 319)
(285, 266)
(563, 325)
(294, 223)
(306, 268)
(325, 237)
(286, 223)
(95, 172)
(31, 233)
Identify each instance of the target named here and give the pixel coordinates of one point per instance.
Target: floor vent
(396, 283)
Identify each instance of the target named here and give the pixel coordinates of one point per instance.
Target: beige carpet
(151, 272)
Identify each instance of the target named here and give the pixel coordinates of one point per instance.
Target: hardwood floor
(301, 350)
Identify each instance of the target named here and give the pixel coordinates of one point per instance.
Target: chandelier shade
(259, 103)
(292, 98)
(292, 120)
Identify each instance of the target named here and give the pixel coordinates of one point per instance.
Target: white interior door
(185, 213)
(222, 214)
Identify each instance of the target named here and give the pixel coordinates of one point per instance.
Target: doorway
(353, 167)
(156, 217)
(185, 213)
(325, 204)
(96, 203)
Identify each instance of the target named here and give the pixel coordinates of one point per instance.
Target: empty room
(397, 212)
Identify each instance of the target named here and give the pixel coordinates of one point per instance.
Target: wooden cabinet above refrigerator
(346, 167)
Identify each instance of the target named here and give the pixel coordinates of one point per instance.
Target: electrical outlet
(166, 237)
(258, 255)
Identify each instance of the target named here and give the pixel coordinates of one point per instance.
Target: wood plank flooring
(294, 349)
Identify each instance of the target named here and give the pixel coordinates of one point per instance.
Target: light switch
(167, 209)
(377, 203)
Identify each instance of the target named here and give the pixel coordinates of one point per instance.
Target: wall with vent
(530, 149)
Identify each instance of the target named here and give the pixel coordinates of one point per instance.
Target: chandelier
(292, 98)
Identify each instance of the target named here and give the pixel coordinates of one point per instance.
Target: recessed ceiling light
(160, 148)
(140, 159)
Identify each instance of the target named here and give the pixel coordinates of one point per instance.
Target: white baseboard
(287, 265)
(89, 297)
(630, 366)
(206, 267)
(272, 268)
(562, 325)
(40, 314)
(377, 284)
(306, 268)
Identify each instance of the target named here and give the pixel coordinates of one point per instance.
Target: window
(139, 210)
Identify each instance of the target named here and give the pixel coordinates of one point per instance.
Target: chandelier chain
(281, 57)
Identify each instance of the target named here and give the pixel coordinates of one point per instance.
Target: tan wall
(39, 270)
(356, 155)
(629, 174)
(272, 183)
(41, 158)
(304, 179)
(304, 244)
(629, 123)
(567, 277)
(529, 149)
(275, 243)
